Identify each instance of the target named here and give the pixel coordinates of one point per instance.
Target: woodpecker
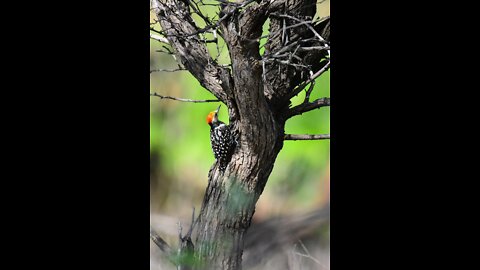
(221, 139)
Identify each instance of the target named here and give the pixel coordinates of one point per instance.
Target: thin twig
(238, 6)
(160, 242)
(159, 38)
(167, 70)
(299, 20)
(304, 137)
(320, 48)
(168, 252)
(309, 92)
(183, 99)
(307, 254)
(299, 88)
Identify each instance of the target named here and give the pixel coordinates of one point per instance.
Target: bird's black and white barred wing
(222, 144)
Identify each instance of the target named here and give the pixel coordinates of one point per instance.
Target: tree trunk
(229, 203)
(230, 198)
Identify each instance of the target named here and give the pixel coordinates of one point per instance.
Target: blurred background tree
(181, 156)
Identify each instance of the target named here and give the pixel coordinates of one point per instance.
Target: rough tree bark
(257, 91)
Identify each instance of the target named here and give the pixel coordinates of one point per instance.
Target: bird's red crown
(212, 116)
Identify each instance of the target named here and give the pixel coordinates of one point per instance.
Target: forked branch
(181, 32)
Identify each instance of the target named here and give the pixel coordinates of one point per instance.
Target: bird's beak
(218, 109)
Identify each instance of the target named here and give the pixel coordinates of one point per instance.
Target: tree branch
(182, 34)
(323, 27)
(164, 247)
(298, 20)
(167, 251)
(293, 37)
(317, 74)
(159, 38)
(252, 19)
(166, 70)
(239, 31)
(305, 107)
(183, 99)
(226, 15)
(304, 137)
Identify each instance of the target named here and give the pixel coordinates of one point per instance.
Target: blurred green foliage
(180, 145)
